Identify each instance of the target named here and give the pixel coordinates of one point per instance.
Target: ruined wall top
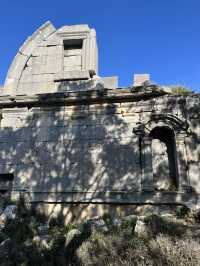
(51, 56)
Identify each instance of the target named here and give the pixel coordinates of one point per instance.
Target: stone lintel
(72, 75)
(79, 97)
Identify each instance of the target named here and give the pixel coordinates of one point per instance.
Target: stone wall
(99, 148)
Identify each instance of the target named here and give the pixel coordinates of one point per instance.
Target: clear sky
(160, 37)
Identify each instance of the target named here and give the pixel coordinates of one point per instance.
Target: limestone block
(29, 45)
(10, 86)
(139, 79)
(193, 149)
(48, 110)
(102, 106)
(72, 75)
(75, 117)
(60, 179)
(29, 176)
(110, 82)
(47, 29)
(73, 29)
(122, 130)
(26, 74)
(39, 60)
(71, 61)
(70, 68)
(53, 40)
(15, 134)
(17, 67)
(40, 51)
(133, 120)
(136, 107)
(74, 177)
(40, 34)
(47, 64)
(7, 167)
(105, 109)
(48, 120)
(117, 178)
(69, 82)
(48, 51)
(87, 132)
(194, 176)
(43, 78)
(26, 77)
(92, 55)
(71, 132)
(37, 37)
(195, 128)
(107, 119)
(16, 119)
(52, 152)
(49, 133)
(74, 147)
(192, 102)
(9, 152)
(73, 52)
(35, 88)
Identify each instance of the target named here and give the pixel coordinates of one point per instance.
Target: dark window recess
(72, 55)
(73, 44)
(6, 182)
(165, 158)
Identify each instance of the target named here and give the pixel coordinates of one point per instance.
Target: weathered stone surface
(71, 136)
(139, 79)
(45, 53)
(75, 74)
(110, 82)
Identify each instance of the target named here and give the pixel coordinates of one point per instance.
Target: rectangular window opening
(72, 54)
(73, 44)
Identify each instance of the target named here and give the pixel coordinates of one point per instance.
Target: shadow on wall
(74, 154)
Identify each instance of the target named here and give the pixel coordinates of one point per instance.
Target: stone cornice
(79, 97)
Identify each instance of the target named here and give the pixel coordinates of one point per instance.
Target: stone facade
(70, 137)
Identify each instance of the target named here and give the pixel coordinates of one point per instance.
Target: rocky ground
(28, 238)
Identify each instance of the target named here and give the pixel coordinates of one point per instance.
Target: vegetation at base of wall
(181, 90)
(154, 240)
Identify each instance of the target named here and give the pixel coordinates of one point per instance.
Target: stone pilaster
(182, 163)
(147, 171)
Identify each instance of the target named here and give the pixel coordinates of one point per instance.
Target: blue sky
(160, 37)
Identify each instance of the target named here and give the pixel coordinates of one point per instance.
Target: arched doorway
(164, 158)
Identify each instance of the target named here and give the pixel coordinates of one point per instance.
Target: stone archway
(146, 132)
(164, 158)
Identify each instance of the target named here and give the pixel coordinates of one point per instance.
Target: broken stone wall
(98, 152)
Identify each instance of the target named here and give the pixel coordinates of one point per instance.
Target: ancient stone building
(76, 143)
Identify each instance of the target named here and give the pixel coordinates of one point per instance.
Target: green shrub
(169, 251)
(18, 230)
(168, 242)
(180, 90)
(159, 225)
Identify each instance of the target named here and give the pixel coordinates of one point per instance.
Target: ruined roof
(64, 60)
(50, 56)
